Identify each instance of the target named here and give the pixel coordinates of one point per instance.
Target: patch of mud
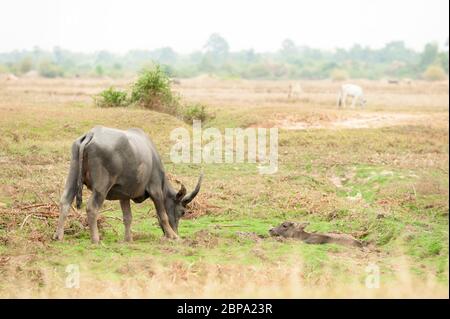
(360, 121)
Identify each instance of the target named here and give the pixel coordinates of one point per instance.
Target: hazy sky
(121, 25)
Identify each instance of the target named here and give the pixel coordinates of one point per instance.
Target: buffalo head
(177, 201)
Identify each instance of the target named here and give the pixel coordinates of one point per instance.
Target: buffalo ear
(303, 225)
(181, 193)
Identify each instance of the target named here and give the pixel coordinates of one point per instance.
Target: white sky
(121, 25)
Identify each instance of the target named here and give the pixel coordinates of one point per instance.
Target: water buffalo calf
(297, 230)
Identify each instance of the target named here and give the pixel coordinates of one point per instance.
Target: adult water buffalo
(121, 165)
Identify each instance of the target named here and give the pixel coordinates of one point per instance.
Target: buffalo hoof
(95, 241)
(58, 236)
(172, 237)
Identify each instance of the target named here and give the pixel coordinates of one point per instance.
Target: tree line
(394, 61)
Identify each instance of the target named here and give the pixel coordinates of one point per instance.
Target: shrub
(50, 70)
(339, 75)
(195, 112)
(434, 73)
(111, 98)
(152, 90)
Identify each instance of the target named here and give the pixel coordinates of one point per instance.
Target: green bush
(434, 73)
(111, 98)
(195, 112)
(152, 91)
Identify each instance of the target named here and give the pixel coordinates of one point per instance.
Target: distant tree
(394, 60)
(138, 56)
(167, 69)
(429, 55)
(310, 53)
(245, 56)
(340, 55)
(37, 53)
(357, 52)
(217, 47)
(207, 64)
(165, 55)
(58, 55)
(443, 60)
(396, 51)
(49, 69)
(251, 56)
(257, 71)
(104, 57)
(25, 65)
(195, 57)
(99, 70)
(289, 50)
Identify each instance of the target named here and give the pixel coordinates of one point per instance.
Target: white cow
(295, 90)
(355, 91)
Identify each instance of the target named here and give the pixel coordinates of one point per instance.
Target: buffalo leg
(66, 200)
(69, 193)
(94, 203)
(164, 221)
(353, 102)
(126, 210)
(163, 218)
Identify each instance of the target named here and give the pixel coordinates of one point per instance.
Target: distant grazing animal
(121, 165)
(296, 230)
(295, 91)
(392, 81)
(355, 91)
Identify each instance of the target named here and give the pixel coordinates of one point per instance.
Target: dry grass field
(379, 173)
